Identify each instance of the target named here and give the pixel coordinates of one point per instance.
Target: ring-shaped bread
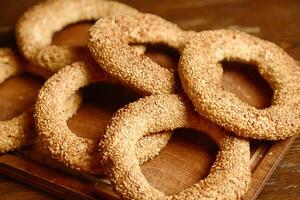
(229, 177)
(109, 43)
(62, 144)
(36, 27)
(201, 76)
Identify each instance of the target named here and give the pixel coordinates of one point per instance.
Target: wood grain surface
(278, 21)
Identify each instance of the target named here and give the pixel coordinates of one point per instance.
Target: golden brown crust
(17, 132)
(35, 29)
(229, 177)
(63, 145)
(109, 44)
(201, 74)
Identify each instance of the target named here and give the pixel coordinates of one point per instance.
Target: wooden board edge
(39, 180)
(267, 166)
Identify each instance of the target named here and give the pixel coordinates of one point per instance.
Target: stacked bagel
(190, 96)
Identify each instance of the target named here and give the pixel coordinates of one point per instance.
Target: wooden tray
(186, 159)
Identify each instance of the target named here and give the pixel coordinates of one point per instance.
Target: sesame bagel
(229, 177)
(200, 74)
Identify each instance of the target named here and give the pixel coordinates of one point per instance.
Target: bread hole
(73, 35)
(17, 94)
(163, 55)
(100, 102)
(186, 160)
(247, 84)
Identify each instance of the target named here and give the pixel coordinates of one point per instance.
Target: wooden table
(278, 21)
